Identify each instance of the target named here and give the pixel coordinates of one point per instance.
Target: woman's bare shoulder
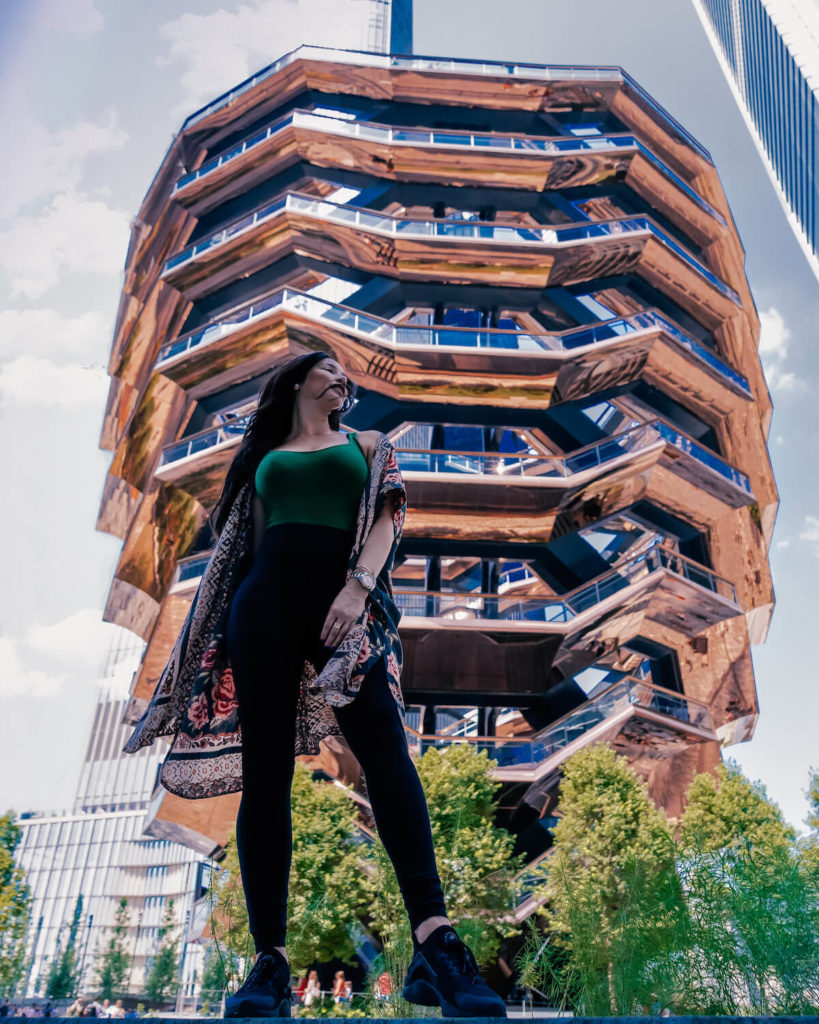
(369, 439)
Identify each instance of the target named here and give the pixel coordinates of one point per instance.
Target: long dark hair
(268, 426)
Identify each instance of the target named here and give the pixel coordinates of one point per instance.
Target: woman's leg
(373, 728)
(266, 656)
(275, 620)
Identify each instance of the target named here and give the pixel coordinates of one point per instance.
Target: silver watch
(365, 578)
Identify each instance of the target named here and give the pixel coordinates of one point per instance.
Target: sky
(91, 95)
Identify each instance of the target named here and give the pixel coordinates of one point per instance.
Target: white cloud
(80, 638)
(72, 17)
(47, 162)
(33, 380)
(218, 50)
(810, 532)
(74, 233)
(47, 332)
(16, 678)
(773, 350)
(38, 663)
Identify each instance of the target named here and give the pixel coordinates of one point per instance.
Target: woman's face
(326, 384)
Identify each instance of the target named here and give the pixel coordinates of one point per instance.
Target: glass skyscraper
(769, 52)
(98, 849)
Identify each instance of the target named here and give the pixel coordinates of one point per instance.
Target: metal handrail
(465, 66)
(505, 142)
(657, 556)
(388, 332)
(564, 719)
(454, 230)
(556, 737)
(565, 466)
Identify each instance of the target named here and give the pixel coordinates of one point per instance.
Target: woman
(312, 993)
(292, 637)
(339, 986)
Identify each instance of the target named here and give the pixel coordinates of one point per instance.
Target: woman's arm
(375, 549)
(350, 602)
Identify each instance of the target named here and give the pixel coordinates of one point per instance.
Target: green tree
(15, 908)
(330, 879)
(750, 944)
(474, 859)
(726, 809)
(614, 899)
(115, 961)
(62, 976)
(162, 978)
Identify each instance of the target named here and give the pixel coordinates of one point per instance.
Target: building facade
(97, 852)
(533, 276)
(769, 53)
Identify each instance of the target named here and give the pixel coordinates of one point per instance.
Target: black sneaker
(266, 990)
(444, 973)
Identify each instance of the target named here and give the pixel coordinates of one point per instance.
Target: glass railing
(193, 568)
(530, 752)
(401, 334)
(499, 464)
(564, 466)
(686, 444)
(231, 231)
(208, 440)
(466, 606)
(515, 575)
(495, 69)
(388, 135)
(506, 234)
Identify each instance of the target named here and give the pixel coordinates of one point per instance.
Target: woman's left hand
(345, 610)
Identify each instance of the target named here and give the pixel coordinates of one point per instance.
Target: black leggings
(275, 622)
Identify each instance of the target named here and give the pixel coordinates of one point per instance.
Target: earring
(296, 387)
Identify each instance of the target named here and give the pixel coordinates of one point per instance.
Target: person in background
(75, 1009)
(338, 986)
(117, 1010)
(301, 988)
(312, 993)
(92, 1009)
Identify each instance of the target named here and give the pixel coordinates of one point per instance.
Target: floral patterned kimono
(195, 701)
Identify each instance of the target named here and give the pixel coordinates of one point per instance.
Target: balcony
(664, 718)
(500, 483)
(502, 649)
(451, 67)
(507, 250)
(258, 148)
(180, 359)
(445, 479)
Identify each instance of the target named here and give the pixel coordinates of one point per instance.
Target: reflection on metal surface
(549, 316)
(387, 333)
(536, 756)
(449, 230)
(477, 142)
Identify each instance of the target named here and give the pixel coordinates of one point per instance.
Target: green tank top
(321, 487)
